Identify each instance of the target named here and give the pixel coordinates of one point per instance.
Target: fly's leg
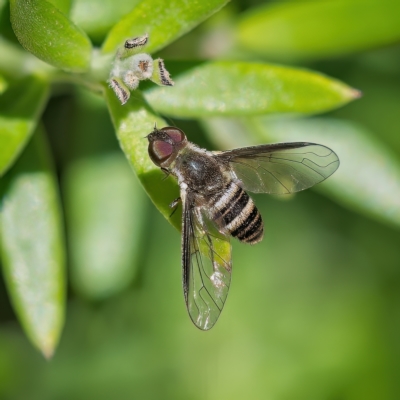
(174, 205)
(167, 174)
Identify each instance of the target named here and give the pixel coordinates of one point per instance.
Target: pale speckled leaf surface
(32, 246)
(246, 88)
(20, 108)
(133, 122)
(46, 32)
(164, 21)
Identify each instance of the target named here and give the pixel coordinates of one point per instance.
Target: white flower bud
(142, 66)
(131, 80)
(129, 69)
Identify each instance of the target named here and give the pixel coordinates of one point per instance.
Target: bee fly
(216, 206)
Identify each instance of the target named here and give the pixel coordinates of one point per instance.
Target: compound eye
(160, 151)
(174, 133)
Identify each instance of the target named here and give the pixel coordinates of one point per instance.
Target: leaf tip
(356, 94)
(47, 347)
(48, 353)
(46, 344)
(351, 94)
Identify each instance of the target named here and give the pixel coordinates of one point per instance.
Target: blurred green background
(313, 311)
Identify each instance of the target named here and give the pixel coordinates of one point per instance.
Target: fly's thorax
(199, 170)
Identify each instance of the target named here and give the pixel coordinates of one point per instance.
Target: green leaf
(3, 85)
(63, 5)
(163, 21)
(368, 179)
(96, 18)
(20, 108)
(319, 29)
(132, 123)
(104, 204)
(48, 34)
(243, 88)
(32, 246)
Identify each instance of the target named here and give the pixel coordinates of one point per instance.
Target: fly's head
(164, 145)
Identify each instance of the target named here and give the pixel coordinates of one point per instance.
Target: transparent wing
(207, 266)
(281, 168)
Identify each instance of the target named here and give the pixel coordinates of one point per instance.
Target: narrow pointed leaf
(163, 21)
(133, 122)
(104, 205)
(20, 108)
(243, 88)
(32, 246)
(319, 29)
(47, 33)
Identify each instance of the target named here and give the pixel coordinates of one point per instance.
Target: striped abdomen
(235, 210)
